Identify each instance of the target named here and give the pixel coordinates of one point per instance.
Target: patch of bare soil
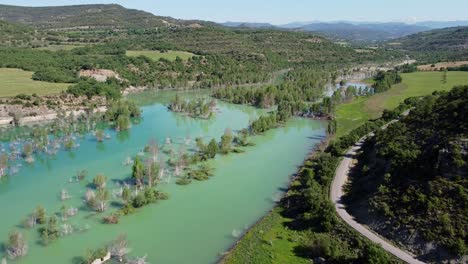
(100, 75)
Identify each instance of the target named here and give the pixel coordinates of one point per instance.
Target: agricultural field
(16, 81)
(156, 55)
(353, 114)
(438, 66)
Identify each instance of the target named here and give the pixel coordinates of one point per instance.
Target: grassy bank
(355, 113)
(16, 81)
(269, 241)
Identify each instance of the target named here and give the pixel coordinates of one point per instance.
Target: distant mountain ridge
(443, 24)
(430, 24)
(248, 25)
(356, 31)
(363, 32)
(96, 15)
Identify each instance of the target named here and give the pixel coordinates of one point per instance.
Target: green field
(269, 241)
(16, 81)
(353, 114)
(156, 55)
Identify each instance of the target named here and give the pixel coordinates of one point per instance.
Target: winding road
(336, 193)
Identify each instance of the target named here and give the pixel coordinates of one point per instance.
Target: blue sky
(284, 11)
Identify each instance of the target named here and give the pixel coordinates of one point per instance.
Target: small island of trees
(197, 108)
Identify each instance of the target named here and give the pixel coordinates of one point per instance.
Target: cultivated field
(438, 66)
(16, 81)
(353, 114)
(156, 55)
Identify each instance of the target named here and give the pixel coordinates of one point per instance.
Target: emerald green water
(197, 223)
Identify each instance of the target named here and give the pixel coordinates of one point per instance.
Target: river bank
(33, 109)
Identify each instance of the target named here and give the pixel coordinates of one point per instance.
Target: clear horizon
(277, 12)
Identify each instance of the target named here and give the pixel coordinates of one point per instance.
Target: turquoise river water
(197, 223)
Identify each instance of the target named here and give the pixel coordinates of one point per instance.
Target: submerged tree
(16, 246)
(81, 175)
(101, 200)
(151, 172)
(64, 195)
(226, 141)
(99, 135)
(40, 215)
(89, 197)
(138, 260)
(100, 181)
(126, 194)
(28, 150)
(97, 200)
(91, 255)
(153, 149)
(119, 247)
(50, 232)
(200, 144)
(69, 144)
(122, 123)
(3, 164)
(138, 171)
(212, 149)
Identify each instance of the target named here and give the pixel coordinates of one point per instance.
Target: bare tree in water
(138, 260)
(153, 149)
(16, 246)
(3, 164)
(119, 247)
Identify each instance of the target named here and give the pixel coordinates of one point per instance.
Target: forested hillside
(16, 34)
(447, 44)
(412, 177)
(95, 16)
(99, 36)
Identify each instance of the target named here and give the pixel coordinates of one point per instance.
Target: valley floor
(353, 114)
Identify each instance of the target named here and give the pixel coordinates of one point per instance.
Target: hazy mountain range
(356, 31)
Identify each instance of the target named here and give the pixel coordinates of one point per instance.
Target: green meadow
(269, 241)
(156, 55)
(353, 114)
(16, 81)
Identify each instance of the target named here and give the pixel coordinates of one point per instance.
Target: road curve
(336, 193)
